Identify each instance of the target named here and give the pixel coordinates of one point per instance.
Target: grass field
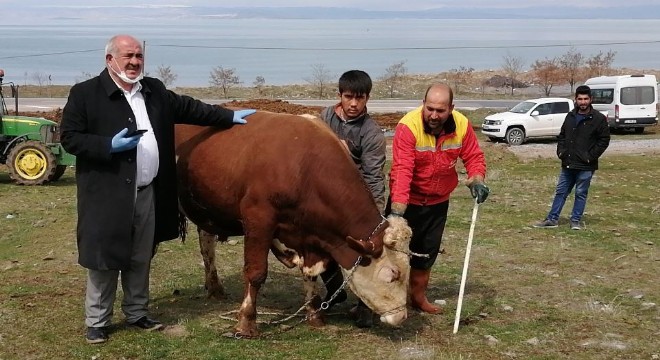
(531, 293)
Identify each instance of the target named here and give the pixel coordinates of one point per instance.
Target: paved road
(380, 106)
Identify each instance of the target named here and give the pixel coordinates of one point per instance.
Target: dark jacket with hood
(581, 143)
(366, 144)
(97, 110)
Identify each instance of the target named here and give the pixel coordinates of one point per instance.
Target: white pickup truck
(541, 117)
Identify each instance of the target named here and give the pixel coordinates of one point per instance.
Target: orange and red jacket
(424, 167)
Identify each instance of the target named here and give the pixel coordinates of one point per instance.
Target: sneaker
(547, 224)
(148, 324)
(96, 335)
(575, 225)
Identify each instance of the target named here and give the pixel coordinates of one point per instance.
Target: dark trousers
(428, 225)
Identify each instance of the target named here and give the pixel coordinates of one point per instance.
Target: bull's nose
(395, 319)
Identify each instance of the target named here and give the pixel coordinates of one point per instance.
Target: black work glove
(479, 191)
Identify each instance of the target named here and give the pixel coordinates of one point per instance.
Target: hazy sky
(363, 4)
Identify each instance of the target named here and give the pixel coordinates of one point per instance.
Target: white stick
(465, 266)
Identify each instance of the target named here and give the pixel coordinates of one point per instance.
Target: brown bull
(287, 184)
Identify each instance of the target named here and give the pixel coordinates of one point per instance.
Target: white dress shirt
(147, 149)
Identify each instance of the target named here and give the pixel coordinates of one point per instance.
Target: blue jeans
(568, 178)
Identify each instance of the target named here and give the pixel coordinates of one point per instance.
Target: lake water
(283, 51)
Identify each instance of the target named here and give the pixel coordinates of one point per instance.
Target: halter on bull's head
(383, 283)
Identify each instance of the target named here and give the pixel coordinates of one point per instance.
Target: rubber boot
(333, 278)
(419, 281)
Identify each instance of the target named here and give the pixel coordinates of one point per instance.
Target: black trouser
(428, 225)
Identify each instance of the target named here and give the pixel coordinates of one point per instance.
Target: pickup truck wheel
(31, 163)
(515, 136)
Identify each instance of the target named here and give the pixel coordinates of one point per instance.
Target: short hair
(582, 90)
(356, 81)
(111, 46)
(451, 92)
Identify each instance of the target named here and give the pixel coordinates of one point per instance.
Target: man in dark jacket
(126, 180)
(365, 142)
(583, 138)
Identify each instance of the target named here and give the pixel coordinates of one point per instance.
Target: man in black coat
(126, 180)
(584, 137)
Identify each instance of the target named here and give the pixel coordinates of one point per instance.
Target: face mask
(122, 75)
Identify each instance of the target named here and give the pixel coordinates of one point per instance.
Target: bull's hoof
(246, 333)
(316, 319)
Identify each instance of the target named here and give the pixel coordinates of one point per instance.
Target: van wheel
(515, 136)
(639, 130)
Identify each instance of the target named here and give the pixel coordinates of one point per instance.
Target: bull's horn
(363, 247)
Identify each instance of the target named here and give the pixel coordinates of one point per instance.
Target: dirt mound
(387, 121)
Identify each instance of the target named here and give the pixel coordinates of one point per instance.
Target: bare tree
(600, 64)
(320, 79)
(393, 76)
(224, 79)
(259, 83)
(512, 67)
(460, 76)
(85, 75)
(571, 64)
(41, 79)
(166, 75)
(547, 73)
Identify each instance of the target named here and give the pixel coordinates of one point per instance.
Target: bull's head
(383, 283)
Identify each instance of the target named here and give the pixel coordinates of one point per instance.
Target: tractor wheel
(31, 163)
(59, 171)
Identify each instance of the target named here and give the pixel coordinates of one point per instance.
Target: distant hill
(456, 12)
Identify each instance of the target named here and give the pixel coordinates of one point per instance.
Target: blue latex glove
(240, 114)
(121, 143)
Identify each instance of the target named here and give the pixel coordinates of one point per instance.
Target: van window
(602, 96)
(560, 107)
(638, 95)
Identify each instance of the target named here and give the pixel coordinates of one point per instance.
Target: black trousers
(428, 225)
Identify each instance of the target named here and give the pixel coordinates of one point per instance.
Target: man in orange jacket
(427, 143)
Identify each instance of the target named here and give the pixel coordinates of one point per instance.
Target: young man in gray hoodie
(365, 142)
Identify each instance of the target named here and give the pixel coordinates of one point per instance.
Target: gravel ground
(530, 151)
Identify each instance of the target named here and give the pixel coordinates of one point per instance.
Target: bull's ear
(367, 248)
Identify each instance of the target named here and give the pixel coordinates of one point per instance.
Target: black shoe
(148, 324)
(96, 335)
(364, 317)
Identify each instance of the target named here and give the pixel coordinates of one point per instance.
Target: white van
(629, 101)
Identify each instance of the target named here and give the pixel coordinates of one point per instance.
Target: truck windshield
(523, 107)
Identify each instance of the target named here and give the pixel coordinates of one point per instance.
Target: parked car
(541, 117)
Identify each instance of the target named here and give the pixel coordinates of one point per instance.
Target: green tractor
(30, 146)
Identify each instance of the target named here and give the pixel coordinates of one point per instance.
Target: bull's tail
(183, 226)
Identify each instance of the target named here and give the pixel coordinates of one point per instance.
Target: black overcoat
(96, 110)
